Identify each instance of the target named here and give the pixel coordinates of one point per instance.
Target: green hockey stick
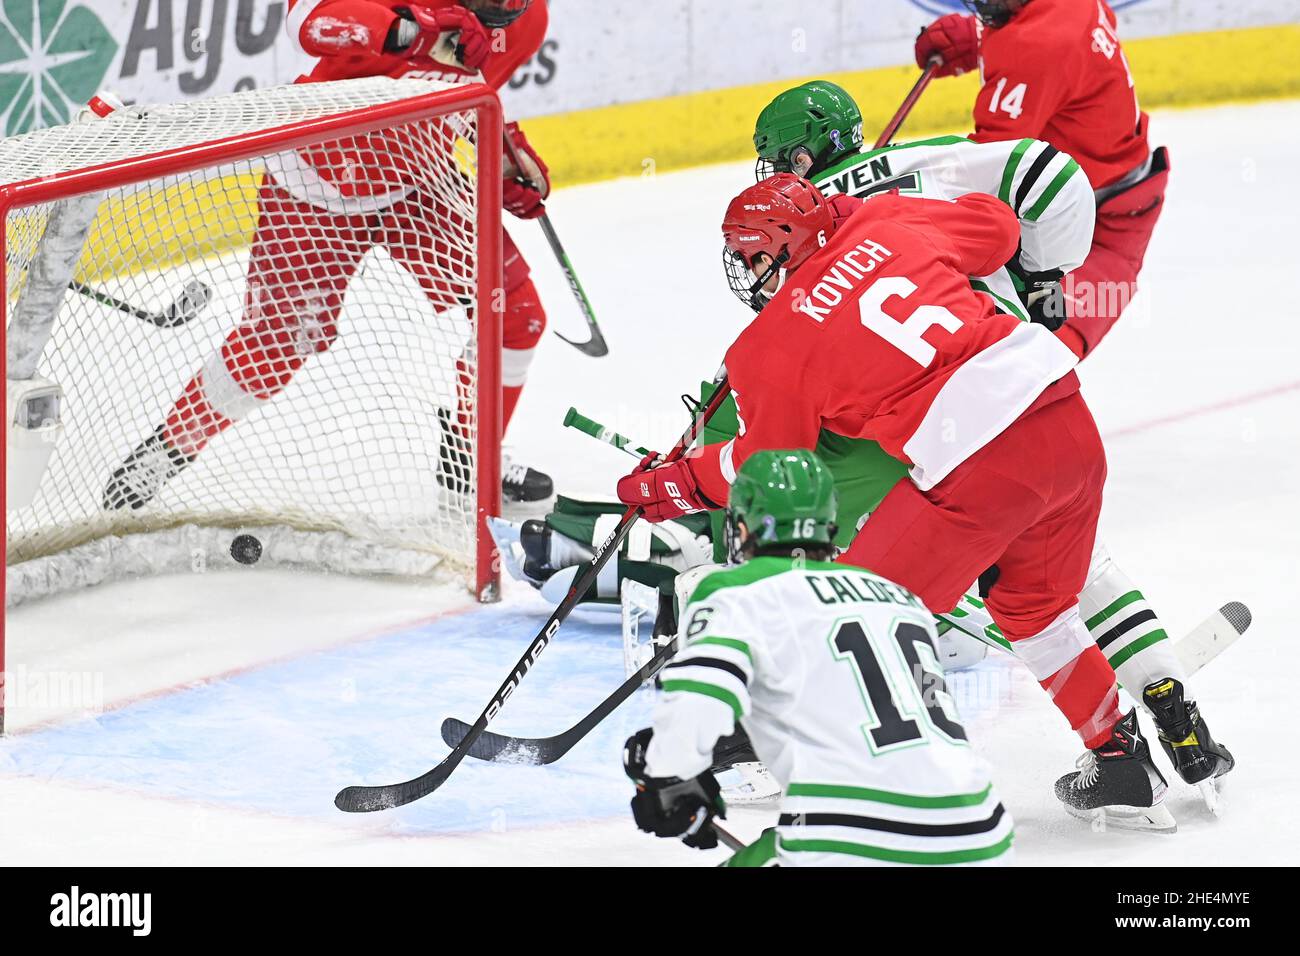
(575, 419)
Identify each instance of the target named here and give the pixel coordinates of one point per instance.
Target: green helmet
(816, 116)
(784, 498)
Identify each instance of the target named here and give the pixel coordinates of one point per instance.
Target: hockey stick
(575, 419)
(194, 298)
(362, 798)
(1196, 649)
(908, 102)
(538, 751)
(726, 838)
(595, 345)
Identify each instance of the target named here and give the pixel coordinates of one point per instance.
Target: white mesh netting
(286, 343)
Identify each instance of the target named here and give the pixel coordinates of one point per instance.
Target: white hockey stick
(1195, 649)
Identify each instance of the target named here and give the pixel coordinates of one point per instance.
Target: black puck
(246, 549)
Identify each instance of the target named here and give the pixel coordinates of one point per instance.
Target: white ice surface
(230, 707)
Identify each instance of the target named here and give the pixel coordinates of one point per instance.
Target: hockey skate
(1117, 785)
(519, 483)
(151, 465)
(532, 552)
(1186, 739)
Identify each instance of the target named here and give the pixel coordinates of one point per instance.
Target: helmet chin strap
(756, 294)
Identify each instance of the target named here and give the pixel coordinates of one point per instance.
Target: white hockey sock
(1126, 628)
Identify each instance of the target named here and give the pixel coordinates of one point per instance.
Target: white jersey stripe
(983, 396)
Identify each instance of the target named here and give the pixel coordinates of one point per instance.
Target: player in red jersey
(868, 327)
(1054, 70)
(322, 209)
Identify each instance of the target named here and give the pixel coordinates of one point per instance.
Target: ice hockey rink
(227, 708)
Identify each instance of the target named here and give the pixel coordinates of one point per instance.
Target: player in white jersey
(833, 673)
(815, 131)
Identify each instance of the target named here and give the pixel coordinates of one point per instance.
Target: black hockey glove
(668, 806)
(1041, 294)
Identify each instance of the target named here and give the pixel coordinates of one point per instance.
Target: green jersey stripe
(1117, 605)
(915, 857)
(933, 141)
(1054, 187)
(1009, 171)
(838, 791)
(708, 690)
(731, 642)
(752, 571)
(1141, 644)
(1010, 307)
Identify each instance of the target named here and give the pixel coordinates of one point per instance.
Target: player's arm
(1051, 196)
(982, 230)
(705, 687)
(366, 29)
(329, 28)
(770, 416)
(705, 694)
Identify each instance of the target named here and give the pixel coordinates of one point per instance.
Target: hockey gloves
(1041, 293)
(665, 493)
(954, 39)
(526, 187)
(451, 35)
(668, 806)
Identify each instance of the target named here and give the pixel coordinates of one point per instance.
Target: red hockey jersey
(348, 37)
(1057, 72)
(879, 335)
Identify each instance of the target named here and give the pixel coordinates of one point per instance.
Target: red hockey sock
(1085, 691)
(193, 422)
(509, 399)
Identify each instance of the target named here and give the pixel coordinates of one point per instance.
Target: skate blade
(1155, 819)
(1210, 794)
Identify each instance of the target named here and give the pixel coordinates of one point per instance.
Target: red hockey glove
(524, 189)
(469, 47)
(953, 38)
(665, 492)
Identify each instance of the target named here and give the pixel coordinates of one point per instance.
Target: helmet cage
(745, 284)
(994, 13)
(497, 14)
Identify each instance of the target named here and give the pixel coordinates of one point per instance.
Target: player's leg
(550, 552)
(414, 232)
(1099, 290)
(1133, 639)
(1033, 598)
(522, 326)
(299, 267)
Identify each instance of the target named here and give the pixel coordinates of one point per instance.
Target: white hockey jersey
(832, 671)
(1045, 187)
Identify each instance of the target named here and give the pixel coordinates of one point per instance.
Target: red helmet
(784, 217)
(497, 14)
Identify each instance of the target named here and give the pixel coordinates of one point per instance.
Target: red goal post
(371, 480)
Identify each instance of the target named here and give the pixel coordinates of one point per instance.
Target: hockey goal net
(268, 313)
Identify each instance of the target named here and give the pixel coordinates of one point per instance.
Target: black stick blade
(194, 298)
(360, 799)
(499, 748)
(594, 346)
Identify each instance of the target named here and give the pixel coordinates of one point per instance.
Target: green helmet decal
(784, 498)
(818, 115)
